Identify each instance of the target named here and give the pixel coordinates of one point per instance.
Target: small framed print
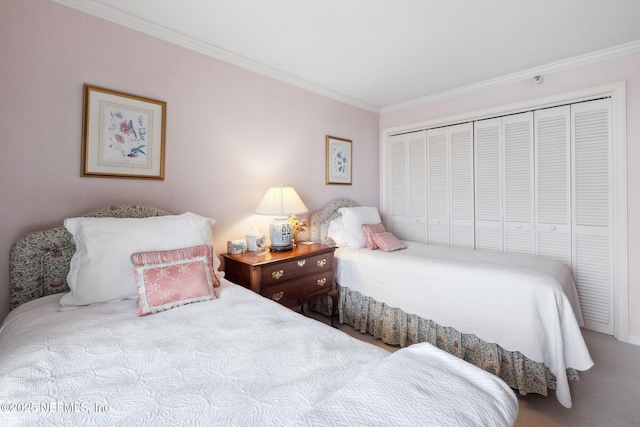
(339, 160)
(123, 135)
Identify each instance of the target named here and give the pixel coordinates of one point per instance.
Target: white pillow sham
(337, 232)
(353, 219)
(101, 266)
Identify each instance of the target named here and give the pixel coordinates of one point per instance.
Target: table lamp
(281, 202)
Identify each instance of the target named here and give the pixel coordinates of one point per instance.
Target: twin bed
(88, 343)
(515, 316)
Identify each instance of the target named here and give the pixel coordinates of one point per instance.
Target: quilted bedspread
(239, 360)
(522, 303)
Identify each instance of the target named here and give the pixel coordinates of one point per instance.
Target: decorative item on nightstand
(296, 227)
(256, 241)
(281, 202)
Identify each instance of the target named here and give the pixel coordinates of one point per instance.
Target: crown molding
(118, 17)
(601, 55)
(158, 31)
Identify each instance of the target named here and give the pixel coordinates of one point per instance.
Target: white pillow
(101, 268)
(353, 218)
(337, 233)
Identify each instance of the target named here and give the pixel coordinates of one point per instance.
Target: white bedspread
(413, 378)
(237, 360)
(522, 303)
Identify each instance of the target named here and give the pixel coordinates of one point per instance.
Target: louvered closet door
(488, 184)
(438, 186)
(398, 210)
(417, 151)
(461, 185)
(592, 248)
(407, 186)
(553, 183)
(518, 184)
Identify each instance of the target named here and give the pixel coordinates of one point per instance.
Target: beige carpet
(607, 395)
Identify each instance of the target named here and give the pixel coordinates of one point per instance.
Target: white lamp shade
(281, 202)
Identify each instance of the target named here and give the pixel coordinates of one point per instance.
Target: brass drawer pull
(277, 296)
(277, 274)
(322, 262)
(321, 282)
(302, 262)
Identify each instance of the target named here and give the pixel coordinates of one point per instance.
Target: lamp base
(281, 248)
(280, 234)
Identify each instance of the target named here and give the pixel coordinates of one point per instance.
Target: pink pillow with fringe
(369, 230)
(388, 242)
(168, 279)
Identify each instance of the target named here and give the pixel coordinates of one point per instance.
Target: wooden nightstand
(291, 278)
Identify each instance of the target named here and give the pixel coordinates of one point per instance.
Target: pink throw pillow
(168, 279)
(388, 242)
(369, 230)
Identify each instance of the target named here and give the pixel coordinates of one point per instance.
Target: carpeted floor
(607, 395)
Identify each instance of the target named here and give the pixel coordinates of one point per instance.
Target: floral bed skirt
(395, 327)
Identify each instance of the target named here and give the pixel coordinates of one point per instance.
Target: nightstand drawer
(290, 277)
(294, 292)
(289, 270)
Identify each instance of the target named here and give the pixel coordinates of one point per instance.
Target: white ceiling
(384, 54)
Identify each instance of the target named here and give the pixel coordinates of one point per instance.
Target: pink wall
(222, 125)
(230, 135)
(604, 72)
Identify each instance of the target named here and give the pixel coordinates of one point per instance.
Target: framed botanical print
(339, 160)
(123, 135)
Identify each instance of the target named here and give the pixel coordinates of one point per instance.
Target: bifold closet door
(518, 185)
(504, 176)
(408, 186)
(450, 185)
(553, 183)
(461, 185)
(592, 238)
(438, 186)
(488, 184)
(536, 183)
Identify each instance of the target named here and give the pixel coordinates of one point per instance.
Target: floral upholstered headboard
(39, 261)
(320, 220)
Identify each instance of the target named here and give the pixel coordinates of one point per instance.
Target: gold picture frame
(339, 160)
(123, 135)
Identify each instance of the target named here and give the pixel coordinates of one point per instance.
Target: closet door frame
(617, 92)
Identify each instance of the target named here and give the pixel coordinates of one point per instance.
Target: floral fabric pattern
(39, 261)
(320, 220)
(394, 326)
